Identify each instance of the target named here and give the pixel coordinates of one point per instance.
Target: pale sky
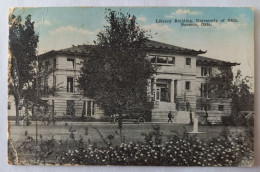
(60, 28)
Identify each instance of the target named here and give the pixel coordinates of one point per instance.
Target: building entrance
(162, 92)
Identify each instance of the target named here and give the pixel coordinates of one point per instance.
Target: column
(172, 91)
(91, 108)
(178, 88)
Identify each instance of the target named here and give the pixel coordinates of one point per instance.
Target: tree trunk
(16, 111)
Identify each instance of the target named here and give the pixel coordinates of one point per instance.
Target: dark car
(131, 115)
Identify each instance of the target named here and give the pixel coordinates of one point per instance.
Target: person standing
(170, 117)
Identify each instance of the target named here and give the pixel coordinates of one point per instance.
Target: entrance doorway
(162, 93)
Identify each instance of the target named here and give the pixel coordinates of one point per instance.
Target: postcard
(139, 86)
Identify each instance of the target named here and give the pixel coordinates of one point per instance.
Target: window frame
(188, 58)
(205, 71)
(72, 88)
(187, 61)
(73, 62)
(154, 59)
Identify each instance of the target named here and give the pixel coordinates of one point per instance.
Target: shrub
(185, 151)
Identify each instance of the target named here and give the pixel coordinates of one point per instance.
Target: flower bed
(187, 151)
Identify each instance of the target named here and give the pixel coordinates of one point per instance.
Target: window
(220, 107)
(89, 108)
(205, 71)
(171, 60)
(70, 108)
(9, 105)
(71, 63)
(54, 63)
(187, 85)
(70, 84)
(188, 61)
(163, 59)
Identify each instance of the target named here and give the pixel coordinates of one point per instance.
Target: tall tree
(117, 71)
(242, 97)
(221, 83)
(238, 88)
(23, 42)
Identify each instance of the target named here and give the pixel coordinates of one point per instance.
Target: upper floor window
(71, 63)
(188, 61)
(205, 71)
(187, 85)
(163, 59)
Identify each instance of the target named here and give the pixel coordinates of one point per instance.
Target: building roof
(151, 47)
(160, 45)
(207, 61)
(78, 49)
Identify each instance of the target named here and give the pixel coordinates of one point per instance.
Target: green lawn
(130, 132)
